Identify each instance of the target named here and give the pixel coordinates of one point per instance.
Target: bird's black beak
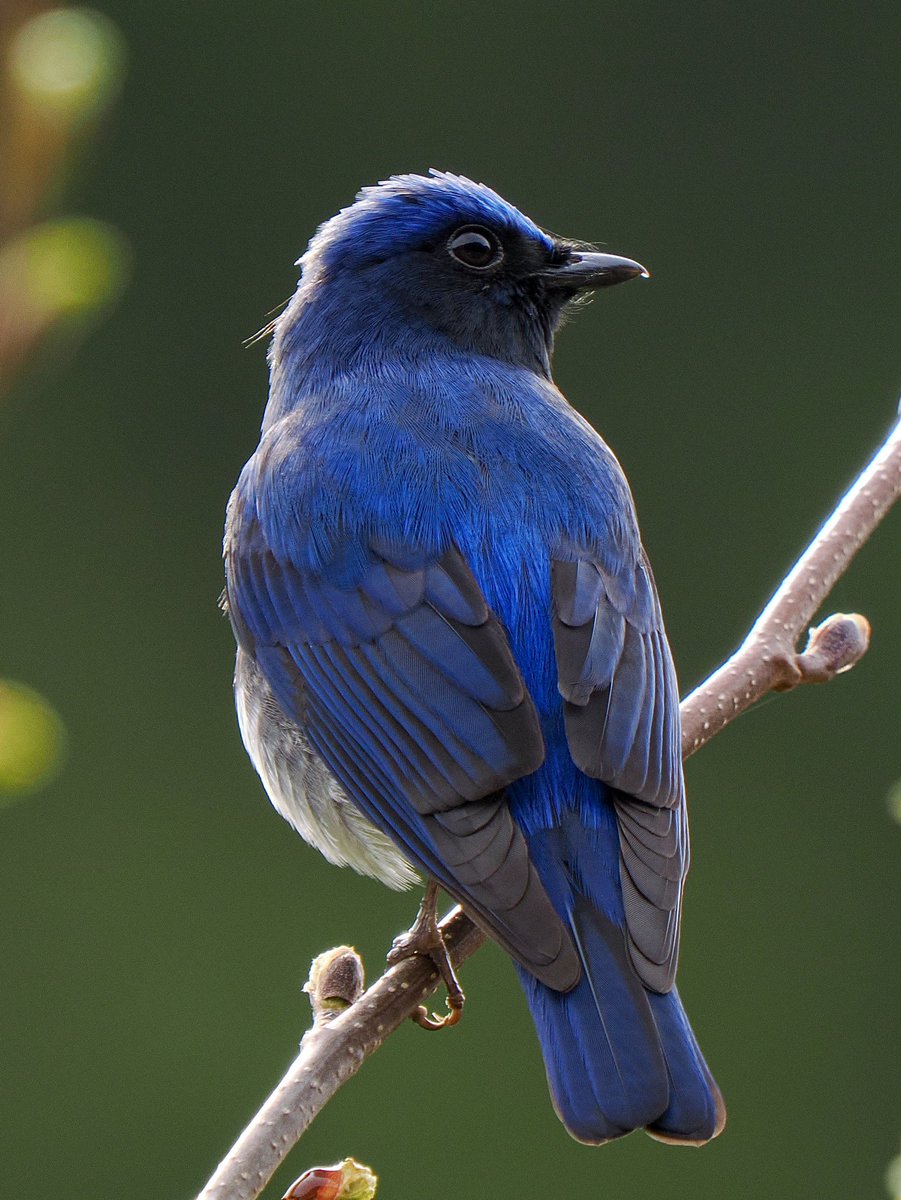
(584, 269)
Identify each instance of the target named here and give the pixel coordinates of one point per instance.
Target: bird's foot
(425, 938)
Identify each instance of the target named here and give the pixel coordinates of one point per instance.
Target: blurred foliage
(55, 277)
(31, 740)
(61, 69)
(893, 1178)
(66, 65)
(893, 801)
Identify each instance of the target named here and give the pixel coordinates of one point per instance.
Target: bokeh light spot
(67, 59)
(74, 265)
(893, 802)
(32, 739)
(893, 1178)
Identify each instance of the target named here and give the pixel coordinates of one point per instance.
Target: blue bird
(451, 657)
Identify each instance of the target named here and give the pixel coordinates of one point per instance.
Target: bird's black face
(554, 268)
(496, 289)
(423, 262)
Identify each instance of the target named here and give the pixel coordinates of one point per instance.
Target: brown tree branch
(767, 659)
(337, 1045)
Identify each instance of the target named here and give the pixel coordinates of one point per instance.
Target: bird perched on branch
(451, 658)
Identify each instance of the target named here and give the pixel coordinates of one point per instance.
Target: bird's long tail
(618, 1056)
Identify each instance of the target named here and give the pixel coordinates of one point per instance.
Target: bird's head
(422, 257)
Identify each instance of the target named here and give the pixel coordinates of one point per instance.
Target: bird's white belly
(304, 791)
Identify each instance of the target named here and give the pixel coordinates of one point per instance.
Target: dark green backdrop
(158, 917)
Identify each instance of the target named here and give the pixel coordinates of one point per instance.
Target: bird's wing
(616, 676)
(405, 685)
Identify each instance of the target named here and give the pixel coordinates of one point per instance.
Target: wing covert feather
(621, 710)
(406, 686)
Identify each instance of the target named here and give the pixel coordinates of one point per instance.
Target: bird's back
(487, 457)
(438, 589)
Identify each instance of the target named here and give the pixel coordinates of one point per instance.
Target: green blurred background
(158, 917)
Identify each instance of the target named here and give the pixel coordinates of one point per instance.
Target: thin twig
(767, 659)
(329, 1054)
(334, 1050)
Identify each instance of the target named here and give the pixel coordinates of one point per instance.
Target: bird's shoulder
(430, 450)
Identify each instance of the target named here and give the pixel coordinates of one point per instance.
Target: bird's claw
(435, 1020)
(425, 938)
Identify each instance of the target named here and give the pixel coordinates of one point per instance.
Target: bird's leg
(424, 937)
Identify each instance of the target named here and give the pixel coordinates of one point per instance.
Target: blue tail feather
(618, 1056)
(605, 1067)
(696, 1112)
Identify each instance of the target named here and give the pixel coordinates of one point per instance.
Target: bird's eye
(475, 247)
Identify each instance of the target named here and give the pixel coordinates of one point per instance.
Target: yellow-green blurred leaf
(893, 802)
(75, 264)
(893, 1178)
(63, 268)
(32, 739)
(67, 61)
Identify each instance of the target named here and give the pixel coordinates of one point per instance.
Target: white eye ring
(475, 247)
